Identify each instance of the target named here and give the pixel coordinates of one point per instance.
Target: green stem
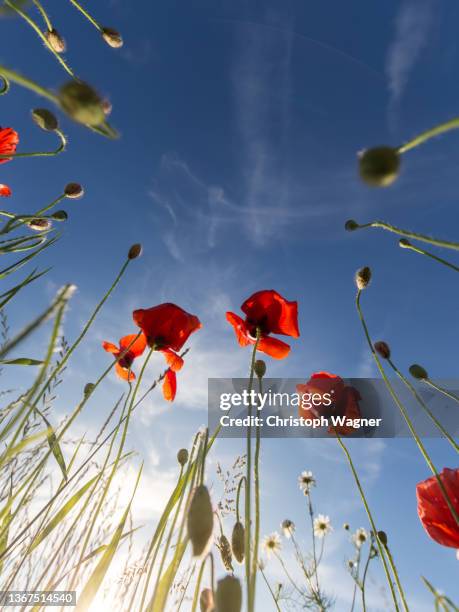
(257, 502)
(405, 415)
(84, 12)
(44, 14)
(404, 244)
(452, 124)
(59, 149)
(449, 394)
(270, 590)
(446, 244)
(12, 75)
(238, 495)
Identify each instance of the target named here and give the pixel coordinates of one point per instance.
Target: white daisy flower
(306, 480)
(288, 528)
(360, 537)
(322, 526)
(272, 543)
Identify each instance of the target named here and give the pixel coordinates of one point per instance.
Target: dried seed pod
(225, 553)
(363, 278)
(380, 166)
(418, 372)
(182, 456)
(135, 251)
(238, 542)
(39, 225)
(200, 521)
(112, 37)
(45, 119)
(55, 41)
(82, 103)
(383, 349)
(229, 595)
(73, 191)
(206, 601)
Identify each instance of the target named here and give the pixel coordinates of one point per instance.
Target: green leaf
(54, 445)
(5, 528)
(24, 361)
(165, 584)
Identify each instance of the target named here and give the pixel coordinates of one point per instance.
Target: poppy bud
(60, 215)
(55, 41)
(182, 456)
(39, 225)
(45, 119)
(383, 349)
(229, 595)
(238, 542)
(135, 251)
(351, 225)
(112, 37)
(404, 243)
(363, 278)
(88, 389)
(200, 521)
(346, 526)
(82, 103)
(225, 552)
(379, 167)
(418, 372)
(260, 368)
(73, 191)
(206, 601)
(382, 537)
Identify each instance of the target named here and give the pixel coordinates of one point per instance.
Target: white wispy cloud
(412, 27)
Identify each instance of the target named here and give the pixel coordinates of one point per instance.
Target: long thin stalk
(404, 244)
(446, 244)
(452, 124)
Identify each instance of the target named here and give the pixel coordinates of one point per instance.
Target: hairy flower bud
(363, 278)
(45, 119)
(88, 389)
(182, 456)
(55, 41)
(260, 368)
(82, 103)
(379, 167)
(200, 521)
(112, 37)
(206, 601)
(225, 552)
(382, 536)
(39, 225)
(229, 595)
(418, 372)
(73, 191)
(346, 526)
(238, 542)
(135, 251)
(351, 225)
(383, 349)
(404, 243)
(60, 215)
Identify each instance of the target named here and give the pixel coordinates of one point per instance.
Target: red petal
(9, 140)
(124, 373)
(5, 191)
(136, 346)
(433, 510)
(170, 386)
(273, 313)
(174, 361)
(274, 347)
(240, 328)
(166, 325)
(110, 348)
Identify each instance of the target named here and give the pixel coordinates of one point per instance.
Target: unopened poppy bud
(182, 456)
(206, 601)
(60, 215)
(351, 225)
(418, 372)
(379, 167)
(45, 119)
(260, 368)
(404, 243)
(73, 191)
(363, 278)
(55, 41)
(382, 537)
(200, 521)
(229, 595)
(88, 389)
(112, 37)
(135, 251)
(82, 103)
(383, 349)
(225, 552)
(39, 225)
(238, 542)
(346, 526)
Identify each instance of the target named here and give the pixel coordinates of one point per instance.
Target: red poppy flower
(328, 395)
(9, 140)
(167, 327)
(5, 191)
(433, 511)
(129, 353)
(269, 313)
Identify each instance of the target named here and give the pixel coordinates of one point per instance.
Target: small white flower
(306, 480)
(272, 543)
(322, 526)
(360, 537)
(288, 528)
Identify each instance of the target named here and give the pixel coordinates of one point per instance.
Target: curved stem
(446, 244)
(44, 14)
(238, 494)
(84, 12)
(449, 394)
(452, 124)
(257, 501)
(59, 149)
(404, 244)
(270, 590)
(11, 75)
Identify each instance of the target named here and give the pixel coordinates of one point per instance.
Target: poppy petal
(110, 347)
(273, 347)
(240, 328)
(433, 511)
(170, 385)
(135, 345)
(5, 191)
(174, 361)
(124, 373)
(166, 325)
(272, 312)
(9, 140)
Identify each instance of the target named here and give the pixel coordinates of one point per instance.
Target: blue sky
(236, 169)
